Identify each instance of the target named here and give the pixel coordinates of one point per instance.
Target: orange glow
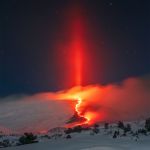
(78, 66)
(87, 118)
(76, 29)
(77, 48)
(83, 107)
(90, 116)
(77, 38)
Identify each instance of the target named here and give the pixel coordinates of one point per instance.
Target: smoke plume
(128, 100)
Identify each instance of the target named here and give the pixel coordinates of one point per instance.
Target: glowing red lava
(79, 101)
(80, 117)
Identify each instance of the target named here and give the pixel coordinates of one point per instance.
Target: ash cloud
(129, 100)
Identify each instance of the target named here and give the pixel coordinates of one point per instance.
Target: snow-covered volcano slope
(90, 140)
(24, 114)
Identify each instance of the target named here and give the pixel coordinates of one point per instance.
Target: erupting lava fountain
(77, 48)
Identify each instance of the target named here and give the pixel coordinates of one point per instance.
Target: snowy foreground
(95, 138)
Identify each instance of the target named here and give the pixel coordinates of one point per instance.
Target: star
(110, 4)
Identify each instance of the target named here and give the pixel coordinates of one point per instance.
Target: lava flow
(79, 117)
(86, 119)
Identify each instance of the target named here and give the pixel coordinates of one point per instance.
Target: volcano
(76, 119)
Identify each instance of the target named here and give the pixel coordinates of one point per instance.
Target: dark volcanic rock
(76, 118)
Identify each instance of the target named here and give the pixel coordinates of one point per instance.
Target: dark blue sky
(118, 43)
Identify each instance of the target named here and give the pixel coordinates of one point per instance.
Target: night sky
(117, 36)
